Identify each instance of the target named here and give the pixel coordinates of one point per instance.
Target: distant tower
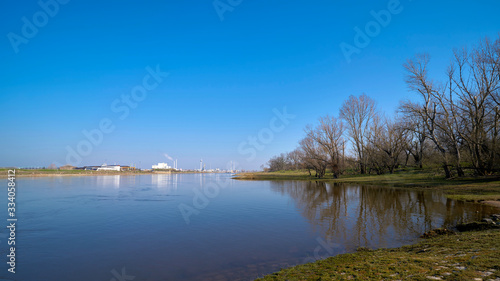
(201, 165)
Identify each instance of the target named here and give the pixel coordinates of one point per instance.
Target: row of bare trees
(378, 144)
(460, 115)
(456, 121)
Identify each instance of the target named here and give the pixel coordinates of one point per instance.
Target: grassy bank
(474, 189)
(462, 256)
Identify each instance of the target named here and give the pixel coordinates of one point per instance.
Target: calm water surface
(207, 227)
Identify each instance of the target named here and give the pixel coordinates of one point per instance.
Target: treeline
(452, 123)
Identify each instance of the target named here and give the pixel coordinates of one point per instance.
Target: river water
(206, 226)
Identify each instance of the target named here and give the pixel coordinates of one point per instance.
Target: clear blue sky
(225, 76)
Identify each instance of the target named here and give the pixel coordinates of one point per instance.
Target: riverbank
(70, 173)
(471, 189)
(458, 256)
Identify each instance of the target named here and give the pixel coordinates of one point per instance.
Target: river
(207, 226)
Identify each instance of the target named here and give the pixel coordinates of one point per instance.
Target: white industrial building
(164, 166)
(105, 167)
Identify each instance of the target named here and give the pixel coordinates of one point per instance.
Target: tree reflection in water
(370, 216)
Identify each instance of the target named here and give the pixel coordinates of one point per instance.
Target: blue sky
(226, 75)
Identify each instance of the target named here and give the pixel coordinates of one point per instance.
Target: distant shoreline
(75, 173)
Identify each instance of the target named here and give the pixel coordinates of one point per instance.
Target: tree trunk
(460, 171)
(421, 154)
(447, 171)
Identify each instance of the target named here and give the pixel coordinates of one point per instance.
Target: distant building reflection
(108, 181)
(165, 181)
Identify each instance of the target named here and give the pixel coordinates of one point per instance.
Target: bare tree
(386, 145)
(474, 77)
(417, 135)
(329, 135)
(358, 112)
(313, 156)
(392, 140)
(277, 163)
(293, 159)
(418, 82)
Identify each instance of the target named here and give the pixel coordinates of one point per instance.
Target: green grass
(463, 256)
(467, 188)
